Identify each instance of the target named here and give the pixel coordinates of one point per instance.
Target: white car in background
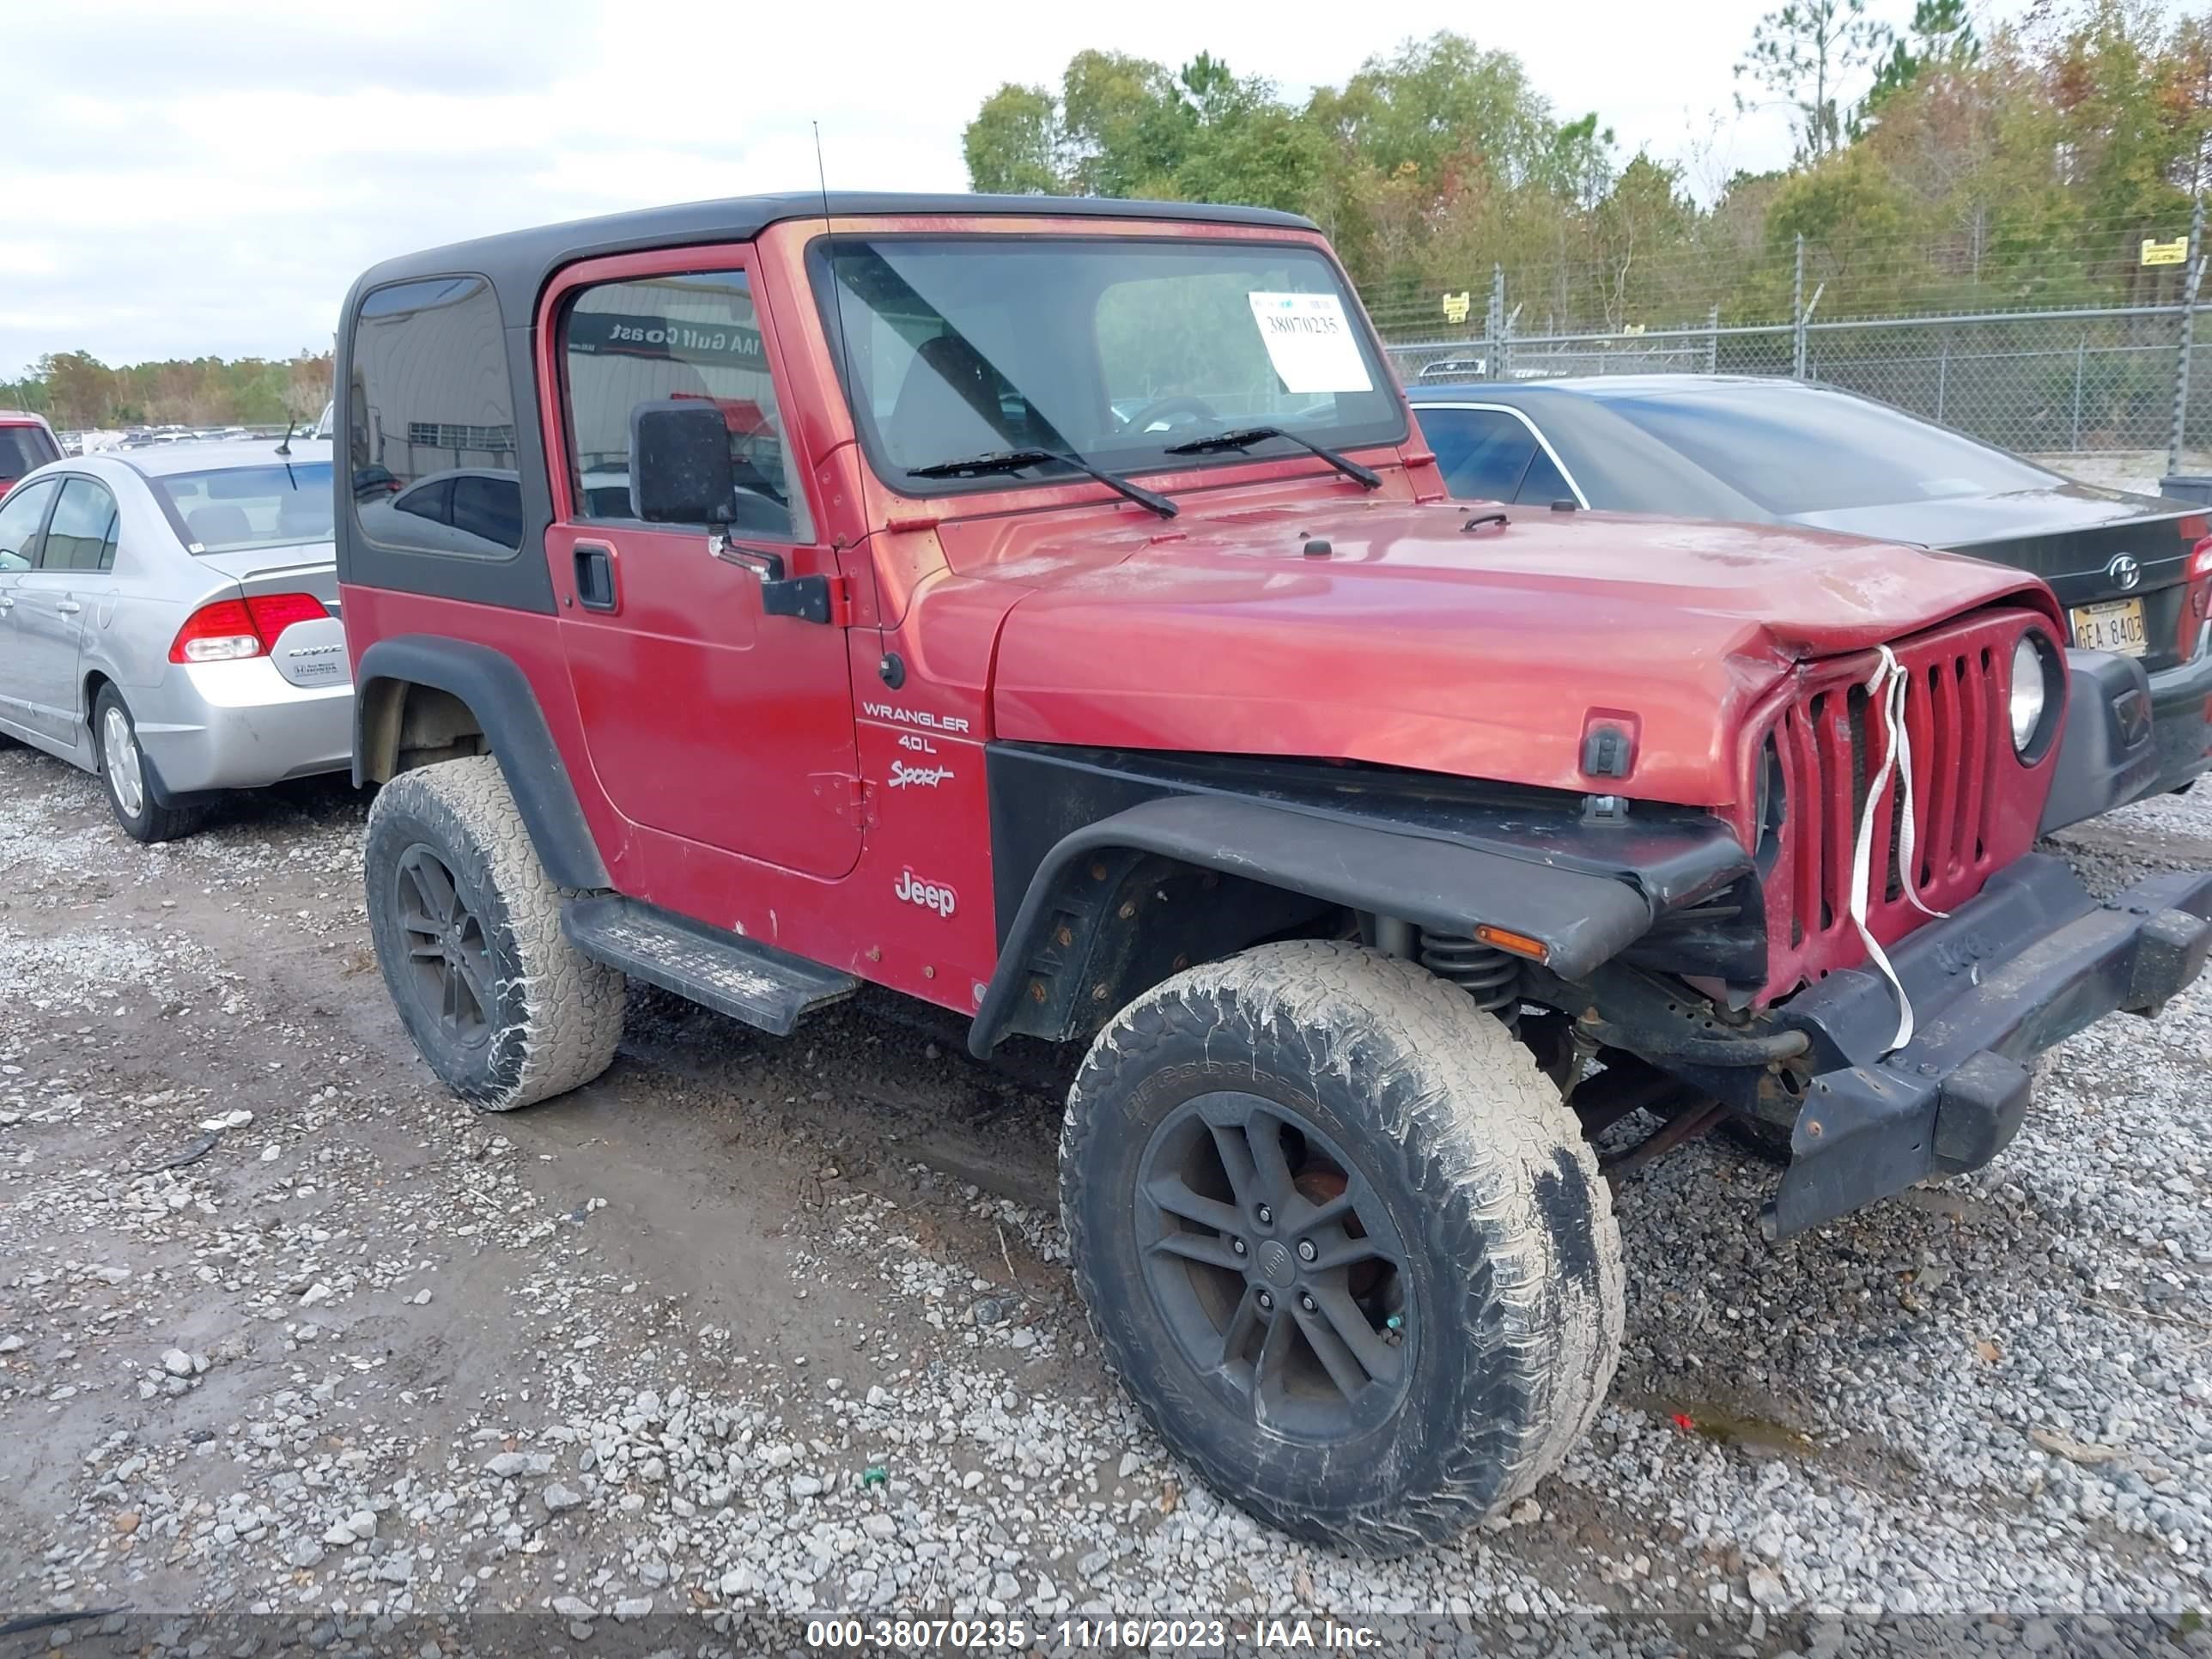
(169, 620)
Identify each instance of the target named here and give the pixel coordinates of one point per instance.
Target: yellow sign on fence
(1457, 306)
(2175, 252)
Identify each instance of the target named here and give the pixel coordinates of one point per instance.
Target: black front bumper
(2023, 966)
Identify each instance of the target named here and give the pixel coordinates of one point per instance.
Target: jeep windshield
(1120, 350)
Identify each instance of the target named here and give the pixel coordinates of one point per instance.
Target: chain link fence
(2123, 384)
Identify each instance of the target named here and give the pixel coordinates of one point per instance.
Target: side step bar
(726, 972)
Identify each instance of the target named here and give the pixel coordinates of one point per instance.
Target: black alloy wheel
(1275, 1267)
(449, 966)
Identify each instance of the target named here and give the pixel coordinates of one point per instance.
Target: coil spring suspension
(1490, 976)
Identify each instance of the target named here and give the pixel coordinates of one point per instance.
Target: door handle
(69, 607)
(6, 604)
(595, 576)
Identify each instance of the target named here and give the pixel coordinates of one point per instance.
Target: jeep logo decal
(928, 895)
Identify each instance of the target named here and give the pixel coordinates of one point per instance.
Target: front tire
(467, 927)
(1426, 1307)
(123, 769)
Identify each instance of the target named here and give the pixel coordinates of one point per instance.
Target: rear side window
(430, 421)
(81, 535)
(23, 448)
(1482, 452)
(1543, 483)
(694, 335)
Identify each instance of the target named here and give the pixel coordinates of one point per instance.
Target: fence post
(1797, 314)
(1942, 374)
(2080, 361)
(1713, 342)
(1494, 325)
(2179, 432)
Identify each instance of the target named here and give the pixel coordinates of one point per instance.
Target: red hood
(1483, 653)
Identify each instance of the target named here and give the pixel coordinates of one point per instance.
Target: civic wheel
(1342, 1242)
(123, 768)
(467, 927)
(118, 753)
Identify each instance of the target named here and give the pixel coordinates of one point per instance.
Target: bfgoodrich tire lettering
(1513, 1298)
(551, 1017)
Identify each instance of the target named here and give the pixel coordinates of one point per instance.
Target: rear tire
(467, 927)
(1456, 1326)
(123, 773)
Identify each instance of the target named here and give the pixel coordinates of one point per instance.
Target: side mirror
(679, 464)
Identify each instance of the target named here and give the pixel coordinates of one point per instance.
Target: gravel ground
(757, 1327)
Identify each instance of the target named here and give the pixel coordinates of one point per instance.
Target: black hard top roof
(518, 262)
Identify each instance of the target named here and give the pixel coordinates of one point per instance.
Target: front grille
(1975, 805)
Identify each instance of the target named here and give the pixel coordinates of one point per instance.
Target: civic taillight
(227, 630)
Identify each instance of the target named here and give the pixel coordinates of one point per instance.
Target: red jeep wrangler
(1043, 609)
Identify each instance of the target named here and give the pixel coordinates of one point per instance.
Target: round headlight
(2029, 693)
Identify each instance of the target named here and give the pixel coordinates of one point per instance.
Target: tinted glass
(433, 500)
(488, 508)
(240, 507)
(693, 335)
(1110, 347)
(1543, 483)
(20, 512)
(1794, 451)
(23, 448)
(1482, 452)
(430, 399)
(81, 535)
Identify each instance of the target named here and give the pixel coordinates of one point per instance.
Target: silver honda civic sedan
(169, 619)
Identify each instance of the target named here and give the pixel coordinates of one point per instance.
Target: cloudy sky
(188, 177)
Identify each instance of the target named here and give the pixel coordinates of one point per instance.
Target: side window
(430, 404)
(696, 335)
(21, 513)
(1544, 483)
(1482, 452)
(433, 500)
(82, 536)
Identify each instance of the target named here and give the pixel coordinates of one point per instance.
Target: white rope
(1886, 690)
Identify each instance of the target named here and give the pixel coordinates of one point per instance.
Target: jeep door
(705, 718)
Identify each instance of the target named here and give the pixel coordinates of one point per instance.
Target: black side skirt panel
(499, 694)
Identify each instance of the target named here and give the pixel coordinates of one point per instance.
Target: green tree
(1807, 52)
(1013, 145)
(1940, 36)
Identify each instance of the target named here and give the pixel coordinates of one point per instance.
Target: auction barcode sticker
(1310, 342)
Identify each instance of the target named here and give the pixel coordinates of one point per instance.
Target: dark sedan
(2135, 572)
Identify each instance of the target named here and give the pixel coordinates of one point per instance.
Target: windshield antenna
(837, 294)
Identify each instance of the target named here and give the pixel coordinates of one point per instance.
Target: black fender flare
(1582, 918)
(499, 694)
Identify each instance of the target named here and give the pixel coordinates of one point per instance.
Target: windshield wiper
(1017, 461)
(1245, 437)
